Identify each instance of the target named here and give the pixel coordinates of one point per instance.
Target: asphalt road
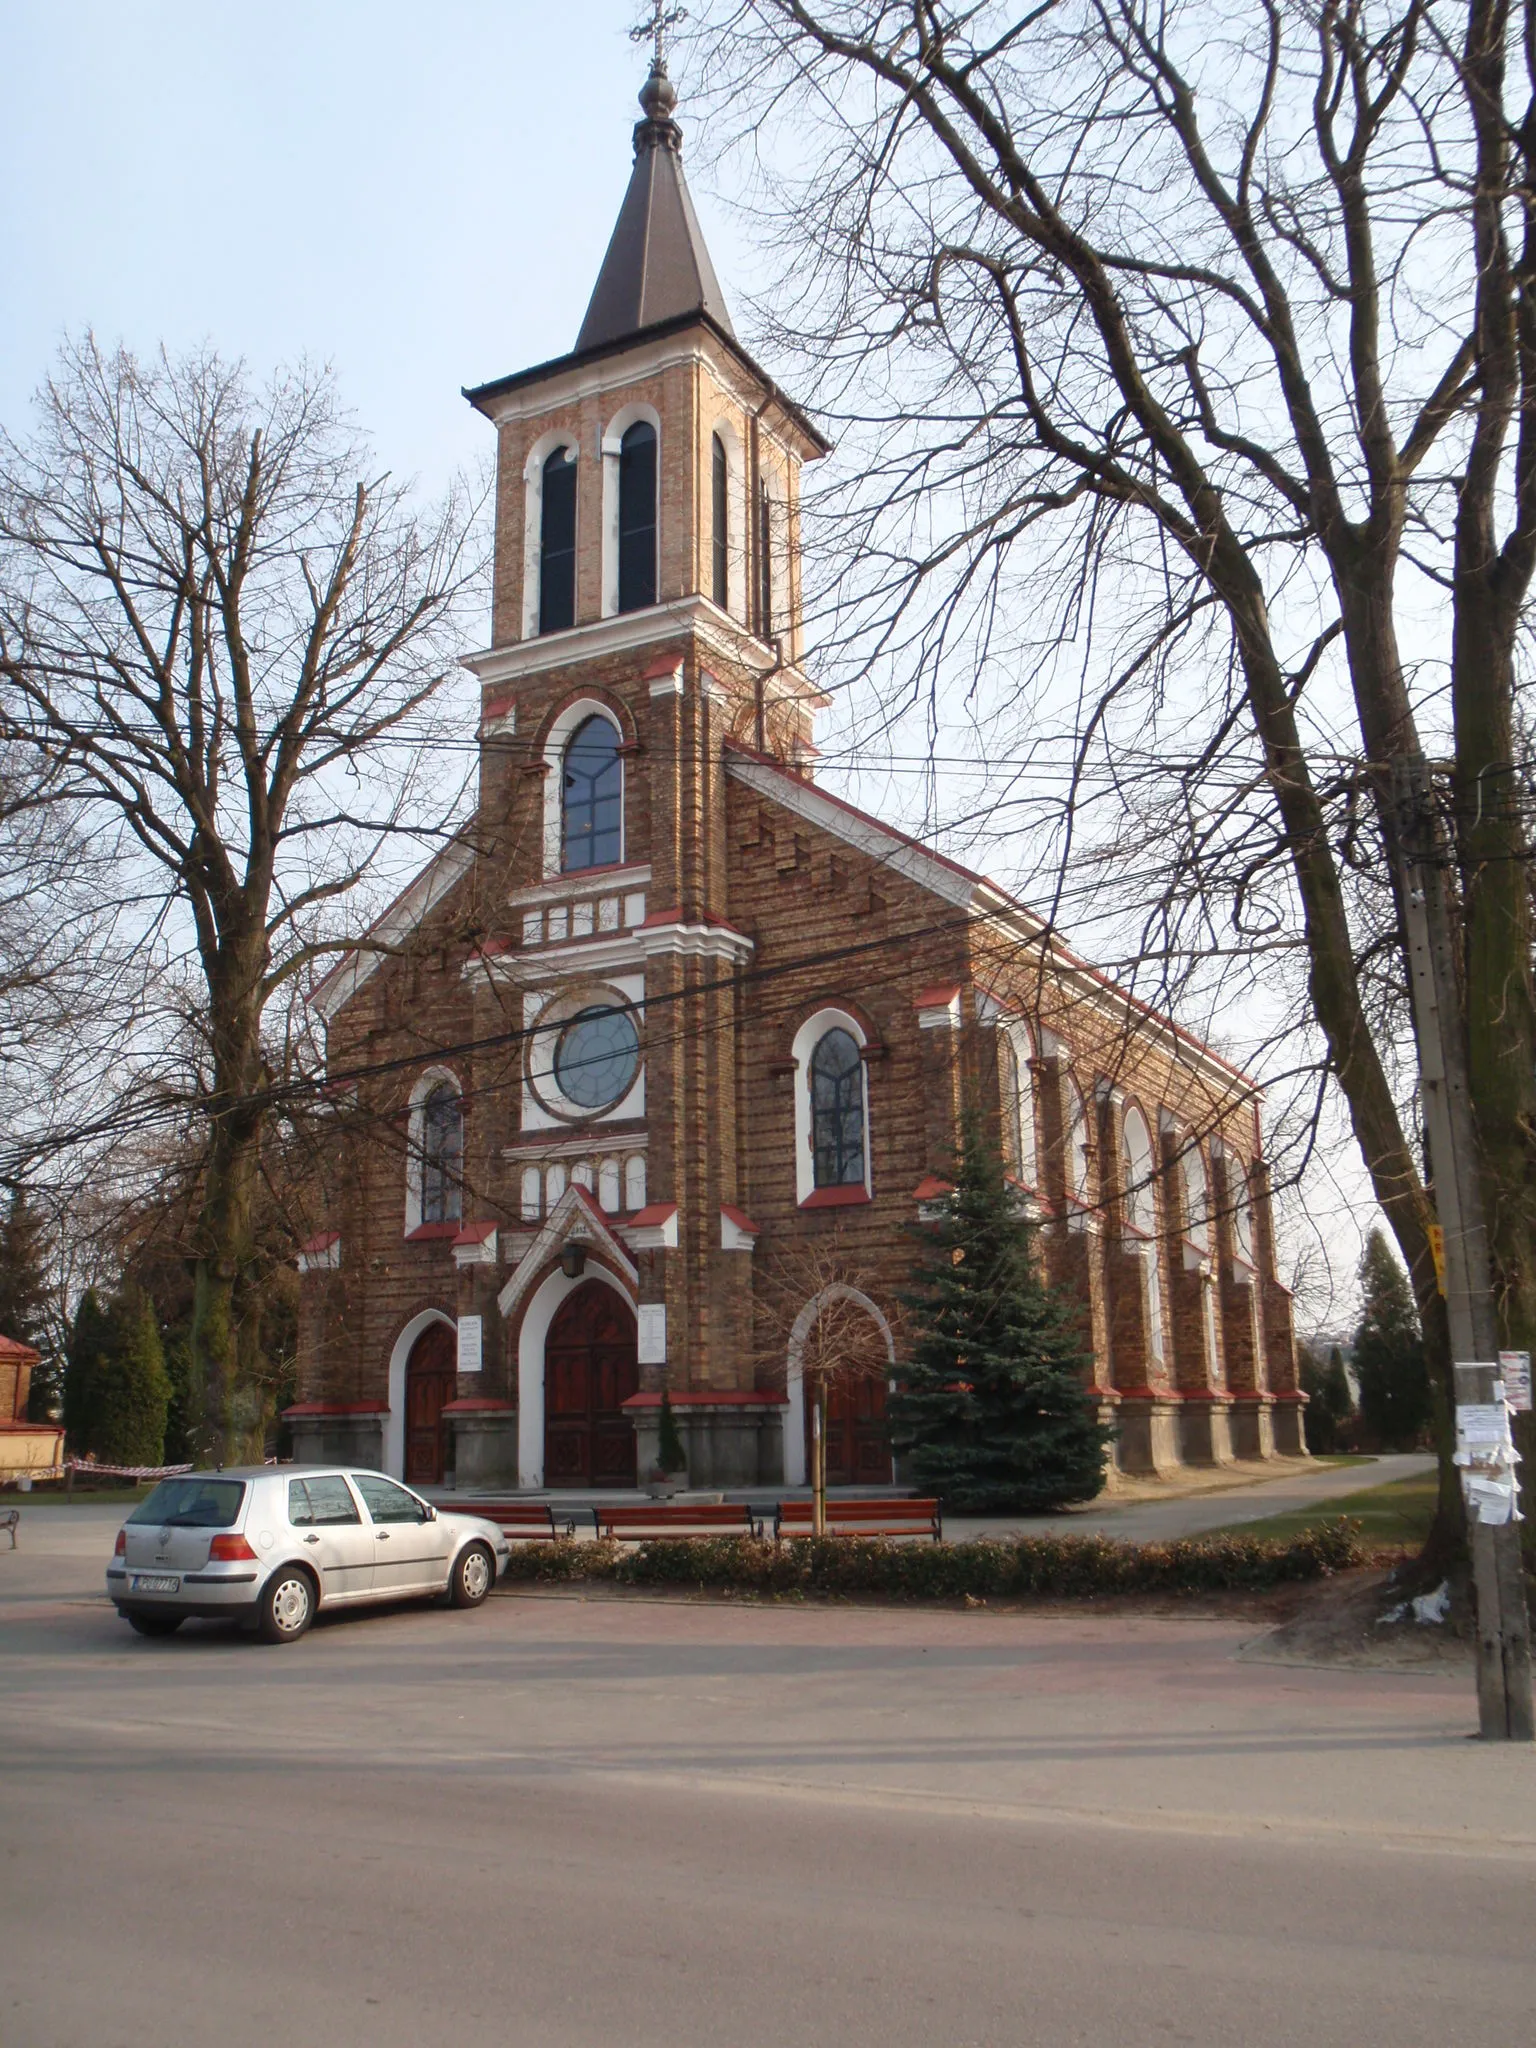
(566, 1821)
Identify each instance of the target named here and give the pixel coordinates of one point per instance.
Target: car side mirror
(431, 1511)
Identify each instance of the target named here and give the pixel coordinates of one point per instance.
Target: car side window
(388, 1502)
(320, 1503)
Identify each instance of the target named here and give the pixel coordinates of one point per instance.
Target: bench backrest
(534, 1519)
(864, 1517)
(674, 1518)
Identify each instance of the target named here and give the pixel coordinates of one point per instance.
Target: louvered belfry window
(637, 518)
(557, 544)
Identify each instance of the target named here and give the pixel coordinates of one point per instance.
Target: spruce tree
(1330, 1404)
(84, 1360)
(132, 1392)
(991, 1406)
(1389, 1352)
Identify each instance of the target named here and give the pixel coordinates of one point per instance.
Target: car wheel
(474, 1574)
(155, 1624)
(287, 1605)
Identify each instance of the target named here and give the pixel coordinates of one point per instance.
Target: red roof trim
(12, 1347)
(321, 1241)
(653, 1213)
(929, 1190)
(476, 1233)
(663, 665)
(740, 1218)
(837, 1198)
(937, 998)
(425, 1232)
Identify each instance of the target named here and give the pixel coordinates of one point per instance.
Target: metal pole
(1503, 1631)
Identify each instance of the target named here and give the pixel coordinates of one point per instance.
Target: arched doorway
(590, 1370)
(429, 1386)
(858, 1442)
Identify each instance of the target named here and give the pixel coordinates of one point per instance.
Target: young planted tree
(991, 1405)
(85, 1361)
(216, 620)
(1330, 1404)
(1200, 342)
(1389, 1353)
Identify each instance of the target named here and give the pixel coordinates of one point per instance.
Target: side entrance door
(590, 1370)
(429, 1385)
(858, 1442)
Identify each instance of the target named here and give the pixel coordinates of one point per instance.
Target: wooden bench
(9, 1517)
(862, 1518)
(524, 1521)
(675, 1518)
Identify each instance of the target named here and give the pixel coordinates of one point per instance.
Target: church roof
(657, 267)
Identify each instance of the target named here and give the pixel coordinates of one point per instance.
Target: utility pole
(1503, 1631)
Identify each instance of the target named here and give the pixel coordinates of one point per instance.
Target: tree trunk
(819, 1460)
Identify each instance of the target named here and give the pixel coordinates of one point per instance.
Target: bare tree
(813, 1316)
(216, 621)
(1202, 341)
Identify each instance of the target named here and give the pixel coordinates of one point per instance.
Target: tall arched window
(1240, 1194)
(1197, 1226)
(1138, 1168)
(637, 517)
(1076, 1161)
(592, 797)
(837, 1110)
(721, 563)
(442, 1154)
(557, 543)
(1017, 1104)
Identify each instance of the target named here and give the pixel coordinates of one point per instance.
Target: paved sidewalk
(1160, 1521)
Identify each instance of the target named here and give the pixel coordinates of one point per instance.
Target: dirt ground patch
(1364, 1620)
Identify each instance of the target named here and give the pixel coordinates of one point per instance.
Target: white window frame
(415, 1152)
(1139, 1200)
(738, 541)
(610, 446)
(540, 1069)
(556, 741)
(1022, 1046)
(1074, 1151)
(806, 1040)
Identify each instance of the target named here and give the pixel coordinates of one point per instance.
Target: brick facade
(747, 904)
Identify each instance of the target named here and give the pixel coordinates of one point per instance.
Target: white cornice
(582, 882)
(603, 956)
(409, 910)
(576, 1219)
(631, 633)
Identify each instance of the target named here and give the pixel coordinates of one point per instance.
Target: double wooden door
(430, 1379)
(858, 1440)
(590, 1370)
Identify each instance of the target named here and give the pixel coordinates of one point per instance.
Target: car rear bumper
(200, 1593)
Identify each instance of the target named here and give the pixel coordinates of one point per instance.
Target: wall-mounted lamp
(573, 1260)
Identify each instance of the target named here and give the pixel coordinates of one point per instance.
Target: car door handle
(383, 1535)
(311, 1539)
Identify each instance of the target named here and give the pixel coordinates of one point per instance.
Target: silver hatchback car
(270, 1546)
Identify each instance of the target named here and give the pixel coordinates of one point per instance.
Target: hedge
(1051, 1567)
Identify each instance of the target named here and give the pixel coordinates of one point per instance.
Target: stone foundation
(730, 1440)
(1289, 1424)
(1147, 1436)
(326, 1433)
(484, 1437)
(1205, 1430)
(1253, 1428)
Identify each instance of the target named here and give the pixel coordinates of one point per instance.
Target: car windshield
(192, 1503)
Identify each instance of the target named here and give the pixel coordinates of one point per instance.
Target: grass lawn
(83, 1496)
(1397, 1515)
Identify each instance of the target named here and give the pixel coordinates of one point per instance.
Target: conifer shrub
(1388, 1353)
(132, 1391)
(991, 1408)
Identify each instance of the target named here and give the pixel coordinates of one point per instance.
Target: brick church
(667, 1021)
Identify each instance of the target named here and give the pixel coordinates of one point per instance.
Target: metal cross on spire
(654, 31)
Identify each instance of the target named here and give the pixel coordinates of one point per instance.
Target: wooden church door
(858, 1443)
(590, 1370)
(429, 1386)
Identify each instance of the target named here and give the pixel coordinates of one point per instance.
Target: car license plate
(151, 1582)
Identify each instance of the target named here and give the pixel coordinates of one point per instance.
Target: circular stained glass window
(596, 1057)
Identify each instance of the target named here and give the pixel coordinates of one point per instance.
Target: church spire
(657, 268)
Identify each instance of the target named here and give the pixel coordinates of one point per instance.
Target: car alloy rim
(477, 1573)
(290, 1604)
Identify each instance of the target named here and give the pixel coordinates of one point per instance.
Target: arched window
(837, 1110)
(592, 798)
(1240, 1195)
(1076, 1162)
(442, 1154)
(1137, 1167)
(1197, 1225)
(637, 517)
(557, 543)
(721, 565)
(1016, 1101)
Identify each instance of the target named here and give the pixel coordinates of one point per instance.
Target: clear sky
(419, 194)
